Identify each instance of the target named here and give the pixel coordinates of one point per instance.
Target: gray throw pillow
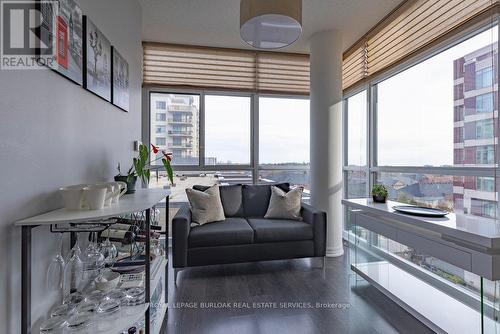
(284, 205)
(206, 206)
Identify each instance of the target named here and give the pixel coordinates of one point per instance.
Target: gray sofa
(245, 235)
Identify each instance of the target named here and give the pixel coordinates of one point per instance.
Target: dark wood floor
(270, 283)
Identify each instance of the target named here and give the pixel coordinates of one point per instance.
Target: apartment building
(175, 126)
(475, 129)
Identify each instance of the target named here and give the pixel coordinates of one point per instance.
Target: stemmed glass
(109, 251)
(55, 272)
(93, 260)
(73, 273)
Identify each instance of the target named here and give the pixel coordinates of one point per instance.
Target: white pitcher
(120, 190)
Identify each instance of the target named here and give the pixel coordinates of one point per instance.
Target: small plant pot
(130, 183)
(379, 199)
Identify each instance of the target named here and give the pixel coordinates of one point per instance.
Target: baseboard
(336, 252)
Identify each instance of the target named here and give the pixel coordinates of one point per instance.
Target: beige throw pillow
(284, 205)
(206, 206)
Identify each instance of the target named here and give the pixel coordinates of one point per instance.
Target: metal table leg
(26, 280)
(167, 218)
(148, 273)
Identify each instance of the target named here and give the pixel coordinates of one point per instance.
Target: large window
(356, 129)
(283, 131)
(284, 141)
(227, 130)
(214, 139)
(417, 108)
(435, 139)
(356, 113)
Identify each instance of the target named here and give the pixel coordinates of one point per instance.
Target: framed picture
(120, 94)
(64, 31)
(97, 69)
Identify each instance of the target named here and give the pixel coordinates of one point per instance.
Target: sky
(227, 128)
(415, 111)
(283, 131)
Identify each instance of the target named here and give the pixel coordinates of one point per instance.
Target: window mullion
(201, 130)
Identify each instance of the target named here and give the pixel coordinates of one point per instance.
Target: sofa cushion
(284, 205)
(232, 231)
(206, 206)
(272, 230)
(256, 198)
(231, 197)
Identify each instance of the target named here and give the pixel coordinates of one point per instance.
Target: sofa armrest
(181, 225)
(318, 219)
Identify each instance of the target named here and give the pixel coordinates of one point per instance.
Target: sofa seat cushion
(272, 230)
(232, 231)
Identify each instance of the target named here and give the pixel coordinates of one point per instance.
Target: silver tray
(420, 211)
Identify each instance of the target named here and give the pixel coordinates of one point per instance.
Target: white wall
(54, 133)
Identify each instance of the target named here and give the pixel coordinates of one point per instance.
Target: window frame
(254, 166)
(370, 86)
(372, 168)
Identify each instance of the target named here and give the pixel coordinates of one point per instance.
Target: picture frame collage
(84, 55)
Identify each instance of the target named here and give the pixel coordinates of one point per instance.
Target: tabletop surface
(470, 228)
(141, 200)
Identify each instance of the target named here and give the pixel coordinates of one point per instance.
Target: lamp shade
(270, 24)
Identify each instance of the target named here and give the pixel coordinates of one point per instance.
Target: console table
(467, 242)
(141, 200)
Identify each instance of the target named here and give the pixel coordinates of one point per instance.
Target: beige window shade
(411, 28)
(204, 67)
(354, 66)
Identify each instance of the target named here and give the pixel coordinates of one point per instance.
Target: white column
(326, 133)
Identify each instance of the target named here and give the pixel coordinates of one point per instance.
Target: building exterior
(175, 126)
(475, 129)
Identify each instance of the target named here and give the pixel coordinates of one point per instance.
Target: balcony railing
(180, 133)
(185, 121)
(182, 145)
(180, 108)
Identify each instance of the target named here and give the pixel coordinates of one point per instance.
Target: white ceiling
(216, 22)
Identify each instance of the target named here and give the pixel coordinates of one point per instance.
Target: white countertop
(142, 199)
(481, 231)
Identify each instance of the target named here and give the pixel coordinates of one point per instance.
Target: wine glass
(55, 272)
(73, 272)
(74, 250)
(108, 249)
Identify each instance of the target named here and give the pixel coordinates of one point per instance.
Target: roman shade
(219, 68)
(409, 29)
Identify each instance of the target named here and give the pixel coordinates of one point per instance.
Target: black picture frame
(120, 78)
(96, 70)
(68, 25)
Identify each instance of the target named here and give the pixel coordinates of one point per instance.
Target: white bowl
(107, 281)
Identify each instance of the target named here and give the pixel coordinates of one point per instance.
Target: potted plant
(379, 193)
(141, 167)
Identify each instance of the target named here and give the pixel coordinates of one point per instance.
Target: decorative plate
(420, 211)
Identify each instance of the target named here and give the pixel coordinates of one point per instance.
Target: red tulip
(155, 149)
(168, 156)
